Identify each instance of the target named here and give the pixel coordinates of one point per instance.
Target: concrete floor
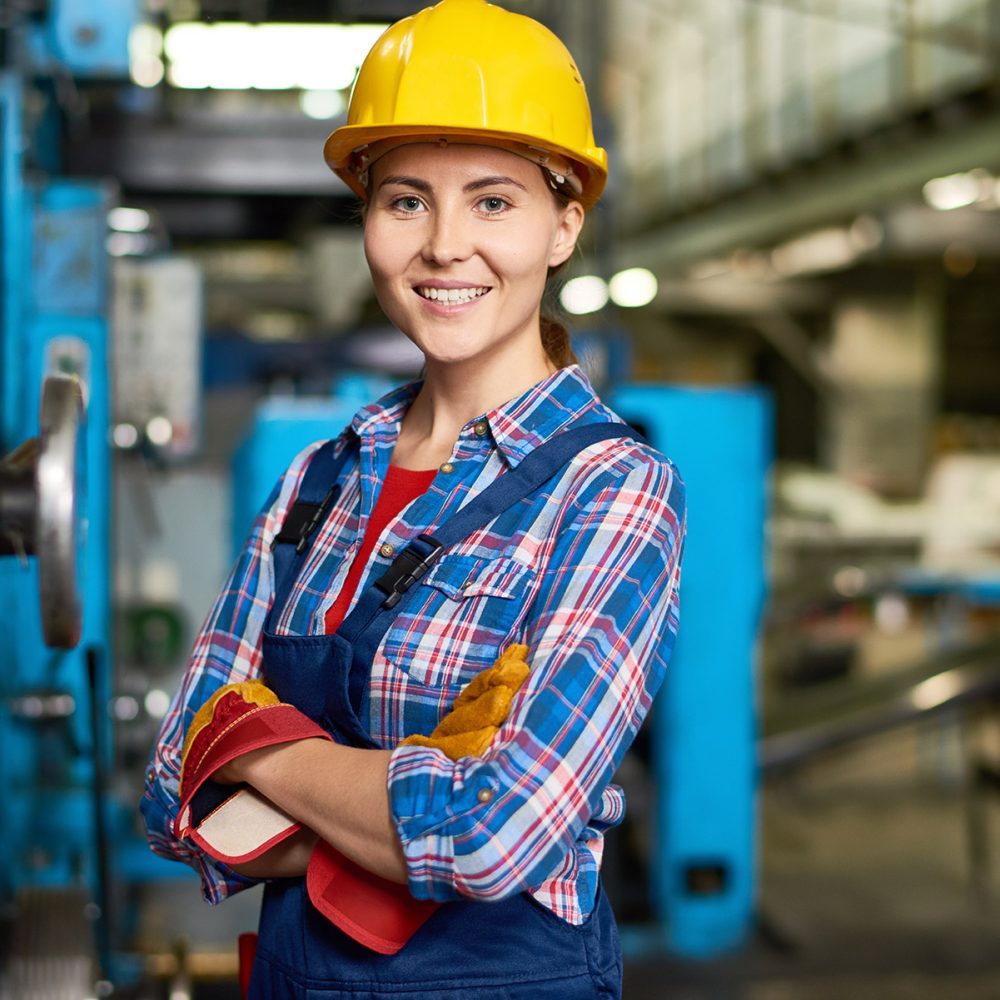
(867, 889)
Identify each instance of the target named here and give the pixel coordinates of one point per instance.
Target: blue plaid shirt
(585, 573)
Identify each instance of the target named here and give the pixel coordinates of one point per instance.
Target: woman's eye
(408, 203)
(493, 204)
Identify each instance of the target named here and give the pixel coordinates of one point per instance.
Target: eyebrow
(421, 185)
(484, 182)
(413, 182)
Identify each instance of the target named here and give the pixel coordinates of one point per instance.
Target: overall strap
(318, 492)
(546, 461)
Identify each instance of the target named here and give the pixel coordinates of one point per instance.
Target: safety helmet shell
(470, 71)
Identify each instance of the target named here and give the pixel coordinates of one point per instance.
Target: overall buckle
(404, 571)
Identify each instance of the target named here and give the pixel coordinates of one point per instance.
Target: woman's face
(459, 240)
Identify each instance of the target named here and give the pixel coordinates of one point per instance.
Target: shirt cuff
(431, 798)
(218, 881)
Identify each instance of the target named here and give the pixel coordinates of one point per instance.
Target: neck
(454, 394)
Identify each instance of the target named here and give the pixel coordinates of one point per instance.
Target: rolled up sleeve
(227, 650)
(600, 631)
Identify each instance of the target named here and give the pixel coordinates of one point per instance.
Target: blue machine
(704, 723)
(54, 323)
(55, 731)
(281, 428)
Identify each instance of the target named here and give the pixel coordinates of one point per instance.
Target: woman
(469, 140)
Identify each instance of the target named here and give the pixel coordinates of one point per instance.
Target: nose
(448, 237)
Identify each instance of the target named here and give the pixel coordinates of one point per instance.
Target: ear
(570, 222)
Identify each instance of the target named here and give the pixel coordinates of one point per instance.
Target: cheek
(386, 254)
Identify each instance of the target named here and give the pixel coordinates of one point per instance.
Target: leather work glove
(235, 823)
(480, 709)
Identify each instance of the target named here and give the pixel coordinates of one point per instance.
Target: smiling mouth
(451, 296)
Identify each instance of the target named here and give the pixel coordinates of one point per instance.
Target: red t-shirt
(400, 487)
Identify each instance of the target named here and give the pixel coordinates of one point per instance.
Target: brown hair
(555, 336)
(555, 340)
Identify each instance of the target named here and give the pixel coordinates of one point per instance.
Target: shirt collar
(518, 426)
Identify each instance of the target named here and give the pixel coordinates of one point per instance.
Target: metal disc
(56, 490)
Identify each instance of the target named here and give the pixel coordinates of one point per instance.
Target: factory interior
(791, 287)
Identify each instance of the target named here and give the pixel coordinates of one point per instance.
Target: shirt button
(386, 550)
(484, 795)
(150, 776)
(481, 428)
(447, 467)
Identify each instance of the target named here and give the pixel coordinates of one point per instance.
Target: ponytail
(555, 340)
(555, 336)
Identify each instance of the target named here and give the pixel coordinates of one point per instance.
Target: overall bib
(514, 949)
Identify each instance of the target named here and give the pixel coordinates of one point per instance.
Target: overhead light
(238, 56)
(633, 287)
(160, 431)
(322, 104)
(586, 294)
(145, 52)
(959, 190)
(156, 703)
(128, 220)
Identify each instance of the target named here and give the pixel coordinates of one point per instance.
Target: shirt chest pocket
(458, 620)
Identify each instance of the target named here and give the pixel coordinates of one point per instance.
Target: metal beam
(865, 176)
(252, 160)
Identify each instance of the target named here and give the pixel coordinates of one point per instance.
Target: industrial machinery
(38, 505)
(54, 512)
(704, 725)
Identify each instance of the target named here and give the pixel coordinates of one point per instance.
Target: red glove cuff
(243, 825)
(380, 914)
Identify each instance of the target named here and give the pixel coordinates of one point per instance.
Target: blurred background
(791, 287)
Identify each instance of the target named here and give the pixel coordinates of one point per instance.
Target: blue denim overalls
(514, 949)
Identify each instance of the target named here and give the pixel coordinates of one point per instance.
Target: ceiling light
(145, 49)
(959, 190)
(586, 294)
(237, 56)
(128, 220)
(322, 104)
(633, 287)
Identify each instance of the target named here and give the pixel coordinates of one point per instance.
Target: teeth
(451, 295)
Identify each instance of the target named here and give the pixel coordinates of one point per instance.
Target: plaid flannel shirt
(585, 573)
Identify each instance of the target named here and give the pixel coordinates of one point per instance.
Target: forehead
(458, 161)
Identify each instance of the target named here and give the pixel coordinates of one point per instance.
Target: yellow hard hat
(469, 71)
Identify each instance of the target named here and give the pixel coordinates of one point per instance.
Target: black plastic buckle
(303, 519)
(404, 571)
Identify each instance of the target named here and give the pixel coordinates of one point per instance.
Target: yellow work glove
(246, 694)
(480, 709)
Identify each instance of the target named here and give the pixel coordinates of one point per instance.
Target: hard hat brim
(344, 142)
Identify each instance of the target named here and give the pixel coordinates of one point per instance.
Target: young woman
(495, 501)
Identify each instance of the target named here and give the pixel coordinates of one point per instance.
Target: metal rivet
(447, 467)
(386, 550)
(484, 795)
(482, 427)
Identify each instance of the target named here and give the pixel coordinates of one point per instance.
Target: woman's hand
(289, 859)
